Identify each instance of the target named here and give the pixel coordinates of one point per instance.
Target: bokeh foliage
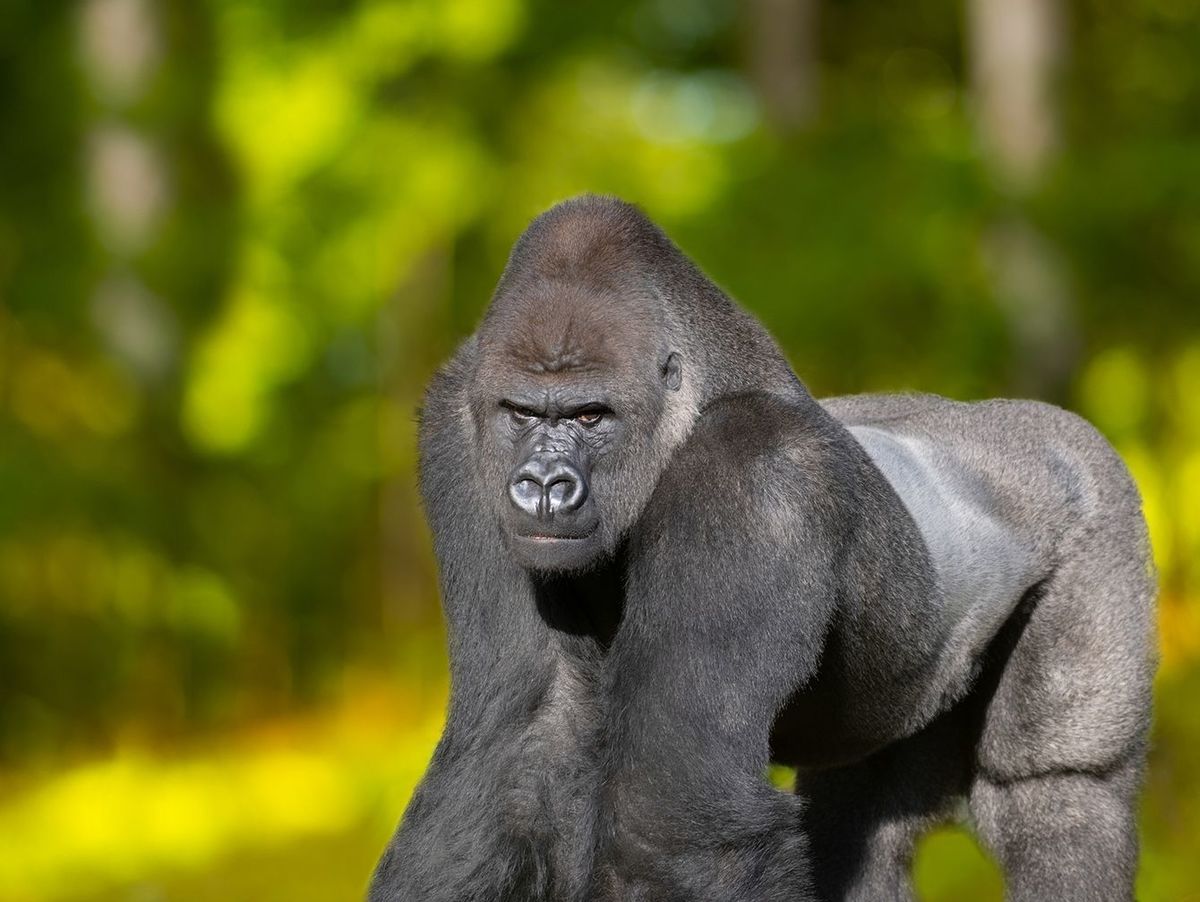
(226, 277)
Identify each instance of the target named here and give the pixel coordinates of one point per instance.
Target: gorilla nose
(543, 487)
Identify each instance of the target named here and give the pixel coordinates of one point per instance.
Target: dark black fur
(755, 589)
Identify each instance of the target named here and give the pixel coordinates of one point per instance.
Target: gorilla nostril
(566, 491)
(556, 493)
(526, 495)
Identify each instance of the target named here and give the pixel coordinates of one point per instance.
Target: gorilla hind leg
(1063, 743)
(1062, 835)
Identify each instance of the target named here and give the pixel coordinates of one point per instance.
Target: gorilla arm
(729, 597)
(465, 834)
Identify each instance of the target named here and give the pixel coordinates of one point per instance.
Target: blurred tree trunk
(782, 51)
(121, 47)
(1015, 48)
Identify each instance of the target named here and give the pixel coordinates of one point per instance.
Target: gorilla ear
(672, 372)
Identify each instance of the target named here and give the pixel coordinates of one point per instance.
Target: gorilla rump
(664, 565)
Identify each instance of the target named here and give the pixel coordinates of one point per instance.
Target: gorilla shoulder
(775, 470)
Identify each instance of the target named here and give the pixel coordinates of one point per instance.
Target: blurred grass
(332, 867)
(292, 791)
(301, 809)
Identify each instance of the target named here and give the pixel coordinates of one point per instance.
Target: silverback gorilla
(664, 565)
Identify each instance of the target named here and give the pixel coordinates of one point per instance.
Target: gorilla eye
(519, 414)
(589, 418)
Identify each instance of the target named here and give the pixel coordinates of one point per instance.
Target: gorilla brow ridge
(562, 341)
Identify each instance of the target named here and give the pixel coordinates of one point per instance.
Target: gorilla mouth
(550, 537)
(547, 550)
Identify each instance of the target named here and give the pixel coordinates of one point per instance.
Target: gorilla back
(663, 564)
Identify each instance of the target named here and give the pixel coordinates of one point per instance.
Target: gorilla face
(576, 416)
(558, 434)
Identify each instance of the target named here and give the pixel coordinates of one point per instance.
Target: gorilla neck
(586, 606)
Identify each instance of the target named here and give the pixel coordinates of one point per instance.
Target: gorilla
(664, 565)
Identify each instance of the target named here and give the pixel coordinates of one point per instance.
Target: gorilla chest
(577, 618)
(566, 715)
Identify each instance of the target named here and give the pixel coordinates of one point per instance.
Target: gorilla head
(582, 386)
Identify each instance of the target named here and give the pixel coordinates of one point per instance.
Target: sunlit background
(236, 238)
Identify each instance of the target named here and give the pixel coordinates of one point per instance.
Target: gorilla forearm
(757, 857)
(452, 845)
(699, 673)
(692, 824)
(505, 811)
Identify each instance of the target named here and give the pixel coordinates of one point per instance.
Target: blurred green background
(236, 238)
